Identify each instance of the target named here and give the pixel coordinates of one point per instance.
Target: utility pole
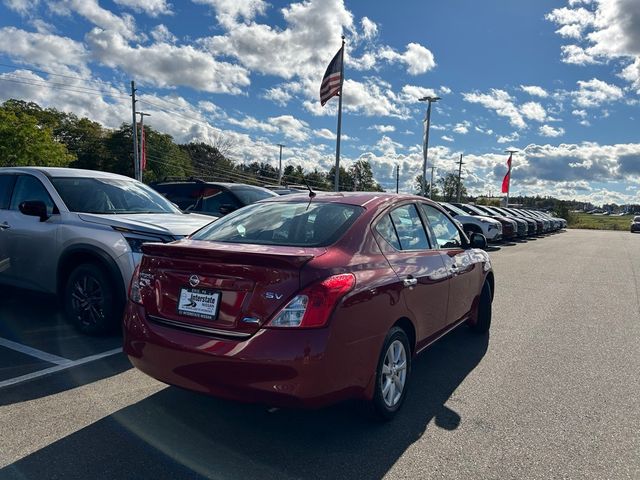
(431, 183)
(134, 128)
(143, 145)
(425, 147)
(510, 152)
(280, 168)
(459, 195)
(397, 178)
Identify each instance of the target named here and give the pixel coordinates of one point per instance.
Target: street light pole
(425, 147)
(280, 168)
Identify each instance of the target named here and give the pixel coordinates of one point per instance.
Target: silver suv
(78, 234)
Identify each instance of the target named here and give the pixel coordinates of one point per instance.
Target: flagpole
(337, 174)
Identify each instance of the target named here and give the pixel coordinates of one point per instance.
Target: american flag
(332, 80)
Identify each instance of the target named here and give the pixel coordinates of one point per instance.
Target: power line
(58, 86)
(41, 71)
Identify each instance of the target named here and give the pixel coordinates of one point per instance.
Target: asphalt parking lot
(553, 392)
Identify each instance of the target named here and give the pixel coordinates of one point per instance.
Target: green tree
(23, 142)
(417, 186)
(449, 186)
(362, 177)
(207, 160)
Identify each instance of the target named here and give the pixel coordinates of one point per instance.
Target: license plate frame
(199, 309)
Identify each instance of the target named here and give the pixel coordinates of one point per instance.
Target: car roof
(64, 172)
(195, 181)
(363, 199)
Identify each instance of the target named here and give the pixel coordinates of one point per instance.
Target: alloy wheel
(87, 300)
(394, 373)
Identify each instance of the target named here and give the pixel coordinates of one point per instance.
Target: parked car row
(503, 223)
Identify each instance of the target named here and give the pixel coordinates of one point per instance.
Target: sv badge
(273, 295)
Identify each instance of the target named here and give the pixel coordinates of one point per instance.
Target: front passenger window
(408, 225)
(29, 188)
(446, 233)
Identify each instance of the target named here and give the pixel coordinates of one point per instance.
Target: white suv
(490, 228)
(77, 234)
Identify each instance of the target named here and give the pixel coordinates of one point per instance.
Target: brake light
(134, 287)
(312, 307)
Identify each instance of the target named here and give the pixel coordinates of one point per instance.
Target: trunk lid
(251, 283)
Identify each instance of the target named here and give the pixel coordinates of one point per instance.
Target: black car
(210, 198)
(635, 224)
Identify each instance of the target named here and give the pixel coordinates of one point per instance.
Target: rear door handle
(4, 226)
(410, 282)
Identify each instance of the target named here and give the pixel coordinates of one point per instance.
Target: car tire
(90, 302)
(395, 352)
(483, 314)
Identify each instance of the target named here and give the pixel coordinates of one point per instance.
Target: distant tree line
(32, 135)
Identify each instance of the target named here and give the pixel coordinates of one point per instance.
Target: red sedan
(307, 301)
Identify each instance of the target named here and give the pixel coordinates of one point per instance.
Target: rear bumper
(278, 367)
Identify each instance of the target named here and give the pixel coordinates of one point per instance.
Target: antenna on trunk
(311, 192)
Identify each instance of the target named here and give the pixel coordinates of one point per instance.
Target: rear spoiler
(234, 253)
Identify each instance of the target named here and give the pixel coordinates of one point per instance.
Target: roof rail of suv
(180, 179)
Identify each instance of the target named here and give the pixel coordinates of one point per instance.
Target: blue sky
(559, 80)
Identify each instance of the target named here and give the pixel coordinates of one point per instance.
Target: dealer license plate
(200, 303)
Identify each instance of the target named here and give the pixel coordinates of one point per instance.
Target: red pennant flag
(507, 177)
(143, 151)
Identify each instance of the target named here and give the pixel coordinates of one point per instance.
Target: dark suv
(210, 198)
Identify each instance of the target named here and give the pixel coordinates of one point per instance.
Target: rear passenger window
(6, 184)
(409, 228)
(387, 231)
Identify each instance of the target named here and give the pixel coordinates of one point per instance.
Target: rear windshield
(286, 224)
(252, 195)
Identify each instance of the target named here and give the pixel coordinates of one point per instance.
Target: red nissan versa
(298, 301)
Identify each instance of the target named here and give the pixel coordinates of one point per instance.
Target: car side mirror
(226, 208)
(478, 240)
(34, 208)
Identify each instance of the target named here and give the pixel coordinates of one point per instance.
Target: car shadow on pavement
(34, 320)
(178, 434)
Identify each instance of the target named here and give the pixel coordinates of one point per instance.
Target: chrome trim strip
(198, 328)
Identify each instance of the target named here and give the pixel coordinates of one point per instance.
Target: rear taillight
(134, 287)
(313, 306)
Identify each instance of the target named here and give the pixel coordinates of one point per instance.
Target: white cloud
(500, 102)
(447, 138)
(23, 7)
(100, 17)
(369, 27)
(167, 65)
(462, 128)
(278, 95)
(41, 49)
(161, 34)
(250, 123)
(576, 55)
(594, 92)
(445, 90)
(534, 90)
(382, 128)
(411, 93)
(291, 127)
(152, 8)
(610, 31)
(417, 58)
(229, 12)
(580, 113)
(514, 137)
(533, 111)
(549, 131)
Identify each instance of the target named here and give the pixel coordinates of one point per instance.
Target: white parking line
(59, 367)
(34, 352)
